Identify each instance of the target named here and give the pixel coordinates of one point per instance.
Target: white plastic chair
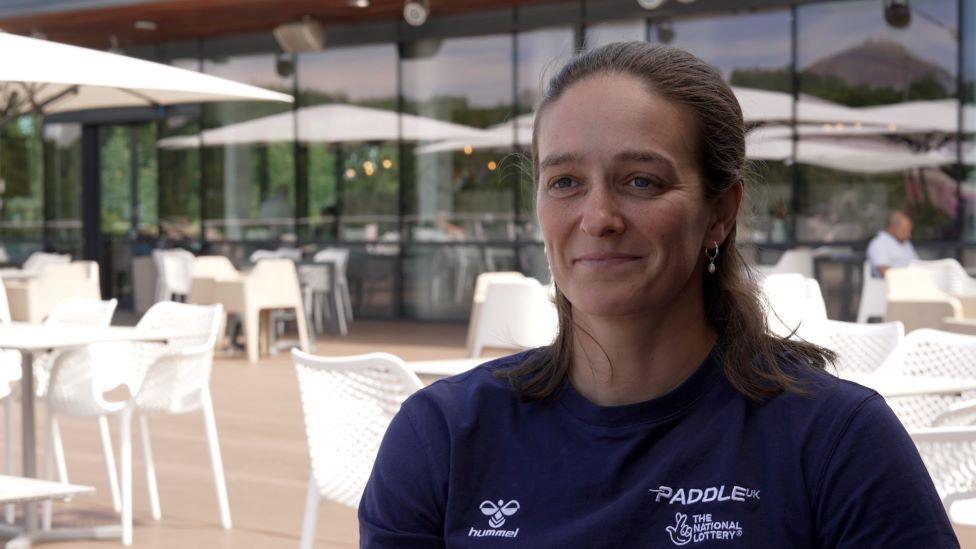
(348, 403)
(793, 303)
(950, 276)
(932, 353)
(516, 314)
(340, 258)
(478, 299)
(10, 372)
(174, 273)
(873, 296)
(37, 261)
(860, 348)
(272, 284)
(796, 260)
(32, 300)
(176, 382)
(916, 300)
(293, 254)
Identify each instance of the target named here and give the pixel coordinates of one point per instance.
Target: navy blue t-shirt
(465, 463)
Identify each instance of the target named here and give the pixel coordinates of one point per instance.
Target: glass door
(129, 220)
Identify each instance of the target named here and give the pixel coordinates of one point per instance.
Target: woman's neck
(623, 360)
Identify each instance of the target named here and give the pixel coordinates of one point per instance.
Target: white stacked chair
(860, 348)
(516, 314)
(915, 299)
(796, 260)
(874, 292)
(950, 276)
(348, 403)
(293, 254)
(931, 353)
(174, 274)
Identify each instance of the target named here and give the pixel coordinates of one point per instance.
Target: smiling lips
(605, 259)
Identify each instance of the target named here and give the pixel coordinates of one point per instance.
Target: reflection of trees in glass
(115, 179)
(62, 183)
(21, 168)
(179, 181)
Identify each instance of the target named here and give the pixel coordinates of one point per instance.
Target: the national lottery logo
(698, 528)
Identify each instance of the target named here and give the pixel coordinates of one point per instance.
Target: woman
(664, 415)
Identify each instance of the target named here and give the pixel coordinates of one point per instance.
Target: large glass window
(348, 129)
(62, 187)
(969, 123)
(457, 100)
(179, 173)
(21, 189)
(249, 161)
(752, 50)
(877, 119)
(599, 34)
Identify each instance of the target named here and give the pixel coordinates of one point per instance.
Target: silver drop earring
(712, 255)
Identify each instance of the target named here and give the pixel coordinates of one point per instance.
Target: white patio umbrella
(47, 77)
(332, 123)
(499, 136)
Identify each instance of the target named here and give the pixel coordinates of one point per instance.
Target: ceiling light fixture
(358, 3)
(897, 13)
(415, 12)
(146, 25)
(650, 4)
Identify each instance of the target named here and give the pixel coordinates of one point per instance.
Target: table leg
(27, 430)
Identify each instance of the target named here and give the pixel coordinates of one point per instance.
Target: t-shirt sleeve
(403, 503)
(878, 254)
(874, 490)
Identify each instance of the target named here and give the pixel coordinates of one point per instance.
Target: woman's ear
(726, 212)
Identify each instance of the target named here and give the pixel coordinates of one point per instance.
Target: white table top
(23, 336)
(21, 489)
(900, 386)
(445, 367)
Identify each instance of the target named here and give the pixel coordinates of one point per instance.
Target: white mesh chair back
(949, 454)
(76, 311)
(480, 289)
(792, 302)
(38, 260)
(176, 375)
(174, 271)
(912, 283)
(860, 348)
(214, 266)
(931, 353)
(949, 275)
(348, 403)
(78, 379)
(516, 314)
(873, 295)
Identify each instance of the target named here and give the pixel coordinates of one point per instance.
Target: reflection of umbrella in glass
(859, 155)
(334, 123)
(499, 136)
(47, 77)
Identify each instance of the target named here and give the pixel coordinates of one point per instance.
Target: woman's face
(620, 198)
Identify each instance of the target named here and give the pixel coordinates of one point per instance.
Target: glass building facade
(410, 145)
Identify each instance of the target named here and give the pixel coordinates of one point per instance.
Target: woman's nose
(601, 215)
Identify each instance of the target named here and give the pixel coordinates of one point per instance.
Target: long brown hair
(752, 356)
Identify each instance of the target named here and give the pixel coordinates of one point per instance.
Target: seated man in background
(891, 247)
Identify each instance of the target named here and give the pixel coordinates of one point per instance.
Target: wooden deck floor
(265, 458)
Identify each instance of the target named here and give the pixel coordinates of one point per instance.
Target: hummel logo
(498, 512)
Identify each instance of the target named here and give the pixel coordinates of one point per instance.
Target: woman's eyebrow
(641, 156)
(560, 159)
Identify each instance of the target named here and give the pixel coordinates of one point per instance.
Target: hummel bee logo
(498, 511)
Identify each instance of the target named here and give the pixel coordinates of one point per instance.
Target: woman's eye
(642, 183)
(561, 183)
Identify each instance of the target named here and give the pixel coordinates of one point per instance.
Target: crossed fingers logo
(680, 533)
(498, 511)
